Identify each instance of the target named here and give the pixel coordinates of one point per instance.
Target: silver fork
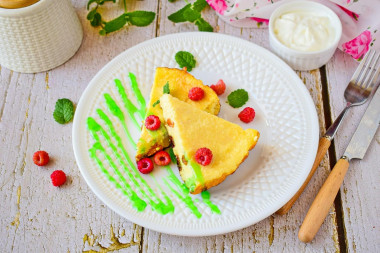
(357, 92)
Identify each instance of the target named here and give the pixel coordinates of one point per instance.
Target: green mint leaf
(91, 14)
(185, 59)
(90, 2)
(166, 89)
(199, 5)
(178, 17)
(156, 103)
(203, 26)
(237, 98)
(141, 18)
(64, 111)
(191, 15)
(172, 1)
(115, 24)
(97, 20)
(102, 32)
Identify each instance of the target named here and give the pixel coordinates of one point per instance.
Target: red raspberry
(247, 115)
(203, 156)
(145, 165)
(196, 93)
(41, 158)
(219, 87)
(152, 122)
(162, 158)
(58, 178)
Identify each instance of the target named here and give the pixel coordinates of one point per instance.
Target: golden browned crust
(198, 189)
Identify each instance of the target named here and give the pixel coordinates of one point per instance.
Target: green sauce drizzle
(116, 111)
(124, 166)
(131, 108)
(182, 193)
(206, 199)
(138, 203)
(149, 196)
(197, 170)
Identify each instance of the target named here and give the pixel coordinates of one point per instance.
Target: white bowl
(301, 60)
(39, 37)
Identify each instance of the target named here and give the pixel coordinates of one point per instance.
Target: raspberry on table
(203, 156)
(145, 165)
(219, 87)
(247, 115)
(58, 178)
(162, 158)
(41, 158)
(196, 93)
(152, 122)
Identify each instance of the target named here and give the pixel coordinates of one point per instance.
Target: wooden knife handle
(322, 203)
(324, 144)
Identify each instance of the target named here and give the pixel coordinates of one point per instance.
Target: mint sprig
(64, 111)
(137, 18)
(185, 59)
(192, 13)
(237, 98)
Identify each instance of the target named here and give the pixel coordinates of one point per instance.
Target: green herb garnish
(166, 89)
(156, 103)
(64, 111)
(192, 13)
(185, 59)
(172, 155)
(137, 18)
(237, 98)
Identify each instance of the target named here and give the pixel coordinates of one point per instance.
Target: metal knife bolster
(366, 130)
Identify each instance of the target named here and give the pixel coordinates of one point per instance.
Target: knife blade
(357, 148)
(366, 130)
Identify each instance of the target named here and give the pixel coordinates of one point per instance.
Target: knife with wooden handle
(356, 149)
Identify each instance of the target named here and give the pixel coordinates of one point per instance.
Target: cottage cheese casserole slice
(191, 129)
(180, 82)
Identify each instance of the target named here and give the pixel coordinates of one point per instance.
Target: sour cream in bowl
(305, 34)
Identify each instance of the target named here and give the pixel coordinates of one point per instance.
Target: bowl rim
(305, 5)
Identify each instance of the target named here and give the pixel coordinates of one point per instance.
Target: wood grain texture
(360, 191)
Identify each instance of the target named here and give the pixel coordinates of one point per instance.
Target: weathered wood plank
(276, 233)
(360, 190)
(34, 215)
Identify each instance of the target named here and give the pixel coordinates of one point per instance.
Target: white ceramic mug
(39, 37)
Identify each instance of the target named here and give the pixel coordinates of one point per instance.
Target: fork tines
(367, 72)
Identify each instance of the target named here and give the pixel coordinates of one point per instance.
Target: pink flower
(359, 46)
(261, 20)
(218, 5)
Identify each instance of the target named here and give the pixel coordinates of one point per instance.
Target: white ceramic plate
(268, 178)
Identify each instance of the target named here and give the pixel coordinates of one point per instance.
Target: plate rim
(179, 231)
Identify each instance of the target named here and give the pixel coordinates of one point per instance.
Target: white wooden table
(37, 217)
